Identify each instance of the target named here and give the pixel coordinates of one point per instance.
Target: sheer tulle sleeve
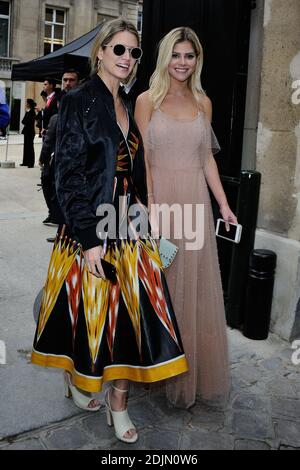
(210, 141)
(214, 144)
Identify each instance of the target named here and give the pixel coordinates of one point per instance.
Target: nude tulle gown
(178, 151)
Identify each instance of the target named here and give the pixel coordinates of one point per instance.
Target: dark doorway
(15, 114)
(223, 27)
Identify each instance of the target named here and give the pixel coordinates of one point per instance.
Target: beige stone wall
(25, 29)
(129, 10)
(278, 158)
(253, 88)
(278, 144)
(109, 7)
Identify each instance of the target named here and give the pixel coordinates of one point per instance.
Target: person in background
(70, 80)
(40, 113)
(29, 133)
(51, 102)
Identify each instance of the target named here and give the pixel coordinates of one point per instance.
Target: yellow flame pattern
(62, 258)
(135, 262)
(149, 270)
(126, 259)
(95, 301)
(73, 288)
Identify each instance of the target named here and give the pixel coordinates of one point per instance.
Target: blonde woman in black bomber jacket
(98, 330)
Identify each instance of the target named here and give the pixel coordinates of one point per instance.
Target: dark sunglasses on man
(119, 49)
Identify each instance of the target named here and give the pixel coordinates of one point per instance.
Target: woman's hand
(93, 258)
(228, 216)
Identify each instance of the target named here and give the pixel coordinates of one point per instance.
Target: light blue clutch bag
(167, 251)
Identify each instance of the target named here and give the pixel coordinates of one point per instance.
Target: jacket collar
(98, 86)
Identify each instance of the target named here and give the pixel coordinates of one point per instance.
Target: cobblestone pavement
(263, 412)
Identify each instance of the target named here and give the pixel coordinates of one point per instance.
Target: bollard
(238, 264)
(259, 294)
(7, 164)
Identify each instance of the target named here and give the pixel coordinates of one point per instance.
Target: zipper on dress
(125, 138)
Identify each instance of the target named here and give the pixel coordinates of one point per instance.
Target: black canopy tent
(73, 55)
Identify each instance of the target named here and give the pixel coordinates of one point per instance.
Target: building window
(55, 30)
(4, 28)
(140, 18)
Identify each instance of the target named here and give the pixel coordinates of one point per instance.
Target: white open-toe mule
(81, 399)
(119, 419)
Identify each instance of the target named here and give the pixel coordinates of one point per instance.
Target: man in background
(70, 80)
(40, 113)
(51, 103)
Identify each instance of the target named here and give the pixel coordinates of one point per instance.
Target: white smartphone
(234, 234)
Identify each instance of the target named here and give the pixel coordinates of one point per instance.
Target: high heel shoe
(119, 419)
(80, 398)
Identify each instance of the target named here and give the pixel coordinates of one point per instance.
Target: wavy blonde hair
(160, 79)
(105, 35)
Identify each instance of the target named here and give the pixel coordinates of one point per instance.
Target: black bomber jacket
(88, 138)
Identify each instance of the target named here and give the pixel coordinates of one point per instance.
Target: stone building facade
(272, 147)
(32, 28)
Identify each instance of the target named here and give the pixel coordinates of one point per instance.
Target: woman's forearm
(153, 219)
(212, 177)
(148, 175)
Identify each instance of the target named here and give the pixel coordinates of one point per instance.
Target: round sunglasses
(119, 49)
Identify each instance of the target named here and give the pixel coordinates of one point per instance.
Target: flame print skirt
(99, 331)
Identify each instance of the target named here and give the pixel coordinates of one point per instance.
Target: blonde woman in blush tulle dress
(174, 117)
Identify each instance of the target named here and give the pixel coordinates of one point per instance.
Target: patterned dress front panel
(100, 331)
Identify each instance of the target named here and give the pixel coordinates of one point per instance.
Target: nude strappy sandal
(119, 419)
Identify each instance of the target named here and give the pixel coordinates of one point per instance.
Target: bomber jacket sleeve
(70, 175)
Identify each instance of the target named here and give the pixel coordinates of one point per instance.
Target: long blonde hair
(160, 79)
(106, 33)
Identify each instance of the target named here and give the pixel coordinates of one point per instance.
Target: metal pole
(6, 163)
(8, 127)
(7, 137)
